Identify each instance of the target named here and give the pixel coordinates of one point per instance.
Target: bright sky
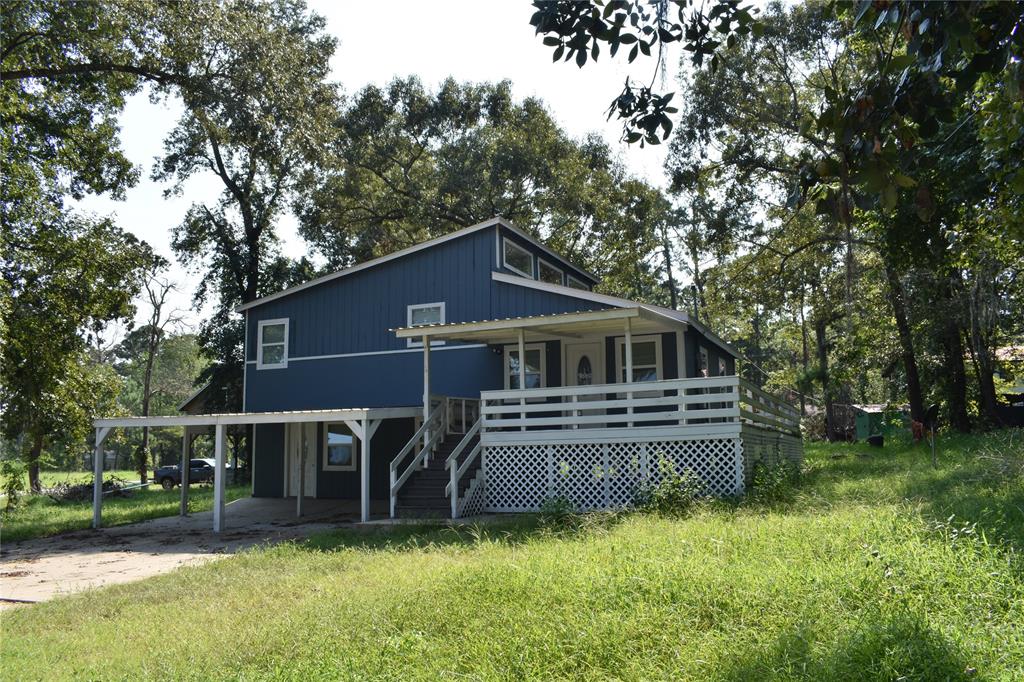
(469, 40)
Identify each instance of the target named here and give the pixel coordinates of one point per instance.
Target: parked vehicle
(200, 470)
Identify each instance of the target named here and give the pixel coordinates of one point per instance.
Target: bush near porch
(39, 516)
(876, 567)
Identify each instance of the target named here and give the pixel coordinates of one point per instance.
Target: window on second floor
(518, 260)
(272, 344)
(422, 314)
(549, 273)
(576, 283)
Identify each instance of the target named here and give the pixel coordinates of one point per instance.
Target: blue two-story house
(480, 372)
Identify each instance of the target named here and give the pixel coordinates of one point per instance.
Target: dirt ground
(40, 569)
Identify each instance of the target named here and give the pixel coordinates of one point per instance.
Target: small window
(723, 369)
(518, 259)
(272, 350)
(549, 273)
(534, 369)
(703, 365)
(341, 448)
(575, 283)
(421, 315)
(646, 359)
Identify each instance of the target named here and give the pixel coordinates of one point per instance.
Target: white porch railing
(430, 434)
(691, 404)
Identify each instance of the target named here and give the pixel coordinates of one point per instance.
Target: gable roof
(492, 222)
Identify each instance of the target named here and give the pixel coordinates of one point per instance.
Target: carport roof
(232, 418)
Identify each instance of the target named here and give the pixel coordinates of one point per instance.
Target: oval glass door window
(584, 372)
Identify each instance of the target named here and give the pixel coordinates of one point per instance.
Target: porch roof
(230, 418)
(643, 320)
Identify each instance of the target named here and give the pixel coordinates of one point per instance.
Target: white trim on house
(659, 360)
(356, 447)
(259, 344)
(505, 244)
(380, 352)
(288, 417)
(541, 264)
(510, 348)
(492, 222)
(245, 365)
(413, 343)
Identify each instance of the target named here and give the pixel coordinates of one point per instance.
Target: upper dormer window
(576, 283)
(272, 349)
(549, 273)
(518, 260)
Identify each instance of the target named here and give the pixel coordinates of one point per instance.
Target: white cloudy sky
(469, 40)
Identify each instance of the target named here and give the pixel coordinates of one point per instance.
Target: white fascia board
(260, 417)
(517, 322)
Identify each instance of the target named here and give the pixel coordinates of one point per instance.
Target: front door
(301, 441)
(584, 366)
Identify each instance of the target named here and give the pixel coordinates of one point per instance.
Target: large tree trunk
(832, 431)
(956, 375)
(897, 299)
(982, 309)
(33, 464)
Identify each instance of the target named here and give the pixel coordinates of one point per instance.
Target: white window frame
(509, 349)
(659, 361)
(504, 258)
(259, 343)
(723, 366)
(579, 283)
(703, 358)
(541, 264)
(416, 343)
(356, 447)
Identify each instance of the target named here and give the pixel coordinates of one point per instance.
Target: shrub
(776, 482)
(674, 494)
(557, 508)
(12, 471)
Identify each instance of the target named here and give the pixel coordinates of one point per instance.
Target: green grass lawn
(876, 567)
(39, 516)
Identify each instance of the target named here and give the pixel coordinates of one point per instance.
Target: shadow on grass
(510, 531)
(884, 647)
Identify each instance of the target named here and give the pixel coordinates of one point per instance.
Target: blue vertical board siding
(391, 436)
(694, 340)
(268, 456)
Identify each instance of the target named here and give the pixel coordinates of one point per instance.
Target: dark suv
(200, 470)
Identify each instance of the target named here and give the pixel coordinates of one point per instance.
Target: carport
(362, 421)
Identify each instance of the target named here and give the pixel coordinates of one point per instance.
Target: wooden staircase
(423, 496)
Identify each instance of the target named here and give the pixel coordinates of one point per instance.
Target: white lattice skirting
(520, 477)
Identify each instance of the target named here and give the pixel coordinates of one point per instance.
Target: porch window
(341, 448)
(535, 366)
(646, 359)
(723, 368)
(518, 259)
(272, 346)
(421, 315)
(549, 273)
(575, 283)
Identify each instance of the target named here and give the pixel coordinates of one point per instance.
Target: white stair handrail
(436, 435)
(455, 470)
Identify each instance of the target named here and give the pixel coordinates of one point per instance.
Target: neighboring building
(608, 392)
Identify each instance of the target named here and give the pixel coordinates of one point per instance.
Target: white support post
(426, 387)
(97, 477)
(369, 427)
(302, 471)
(629, 365)
(218, 479)
(522, 373)
(186, 461)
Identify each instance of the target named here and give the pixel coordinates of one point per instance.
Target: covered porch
(363, 423)
(614, 418)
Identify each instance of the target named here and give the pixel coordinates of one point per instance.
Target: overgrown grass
(39, 516)
(859, 574)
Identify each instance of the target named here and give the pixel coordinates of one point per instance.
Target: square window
(423, 314)
(646, 359)
(575, 283)
(549, 273)
(518, 259)
(341, 448)
(533, 371)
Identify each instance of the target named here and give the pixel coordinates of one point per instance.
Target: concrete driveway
(39, 569)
